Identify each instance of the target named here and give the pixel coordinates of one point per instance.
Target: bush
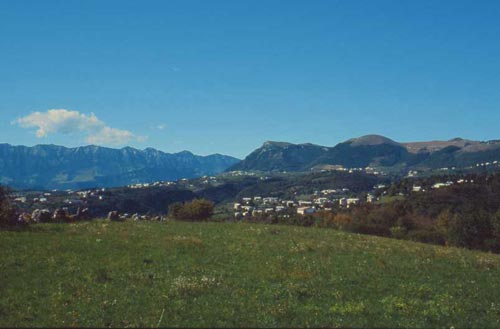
(495, 224)
(7, 211)
(399, 232)
(196, 210)
(174, 210)
(339, 221)
(470, 230)
(374, 220)
(426, 235)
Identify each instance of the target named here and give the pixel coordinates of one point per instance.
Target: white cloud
(108, 135)
(70, 122)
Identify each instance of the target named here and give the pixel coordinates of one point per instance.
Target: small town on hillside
(252, 206)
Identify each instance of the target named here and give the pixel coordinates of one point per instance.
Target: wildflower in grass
(486, 262)
(190, 285)
(188, 240)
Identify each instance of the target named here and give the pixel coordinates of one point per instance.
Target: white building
(439, 185)
(269, 210)
(270, 200)
(352, 201)
(305, 210)
(256, 213)
(321, 200)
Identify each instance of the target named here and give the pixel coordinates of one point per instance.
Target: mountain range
(371, 150)
(58, 167)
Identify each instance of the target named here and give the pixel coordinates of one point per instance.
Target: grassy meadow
(151, 274)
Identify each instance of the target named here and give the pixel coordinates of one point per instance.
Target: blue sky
(225, 76)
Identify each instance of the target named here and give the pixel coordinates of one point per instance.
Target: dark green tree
(470, 229)
(7, 211)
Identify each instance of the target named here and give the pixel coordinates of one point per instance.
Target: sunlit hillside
(149, 274)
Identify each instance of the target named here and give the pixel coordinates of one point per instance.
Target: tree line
(463, 215)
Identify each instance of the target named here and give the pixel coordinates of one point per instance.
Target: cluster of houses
(209, 180)
(237, 173)
(419, 188)
(496, 163)
(368, 170)
(204, 180)
(42, 198)
(411, 173)
(67, 197)
(148, 185)
(258, 206)
(79, 198)
(262, 206)
(488, 164)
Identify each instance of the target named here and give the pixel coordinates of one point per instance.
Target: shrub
(470, 230)
(374, 220)
(174, 210)
(198, 209)
(398, 232)
(339, 221)
(427, 235)
(495, 224)
(7, 211)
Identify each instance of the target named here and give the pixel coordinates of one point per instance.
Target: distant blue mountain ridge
(58, 167)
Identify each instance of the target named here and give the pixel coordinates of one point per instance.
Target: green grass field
(151, 274)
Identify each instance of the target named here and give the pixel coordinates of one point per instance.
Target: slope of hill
(281, 156)
(371, 150)
(433, 146)
(51, 166)
(363, 152)
(469, 155)
(175, 274)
